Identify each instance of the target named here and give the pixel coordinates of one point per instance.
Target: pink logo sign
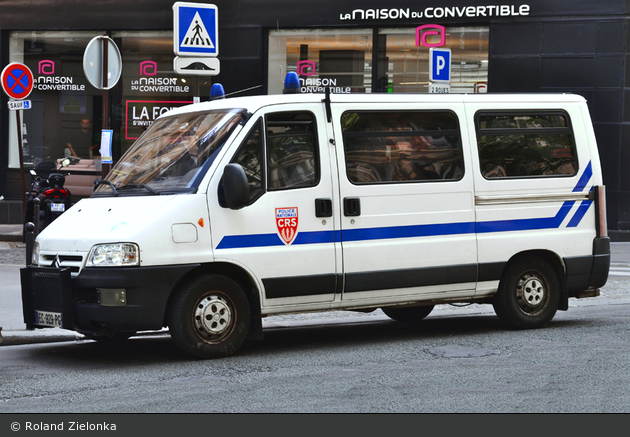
(424, 32)
(306, 68)
(287, 223)
(46, 67)
(148, 68)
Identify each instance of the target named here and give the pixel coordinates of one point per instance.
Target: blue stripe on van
(394, 232)
(586, 177)
(267, 240)
(579, 214)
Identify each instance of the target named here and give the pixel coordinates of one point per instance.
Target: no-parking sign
(17, 81)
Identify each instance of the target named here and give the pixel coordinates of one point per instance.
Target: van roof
(253, 103)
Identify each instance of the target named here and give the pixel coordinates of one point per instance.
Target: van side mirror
(235, 186)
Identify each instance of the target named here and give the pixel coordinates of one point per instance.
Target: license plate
(57, 207)
(45, 318)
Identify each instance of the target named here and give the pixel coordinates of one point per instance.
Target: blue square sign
(195, 29)
(440, 65)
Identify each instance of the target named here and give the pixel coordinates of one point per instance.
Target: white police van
(228, 211)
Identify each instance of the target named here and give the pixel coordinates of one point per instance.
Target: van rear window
(525, 144)
(402, 146)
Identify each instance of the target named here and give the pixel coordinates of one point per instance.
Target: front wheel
(528, 295)
(210, 317)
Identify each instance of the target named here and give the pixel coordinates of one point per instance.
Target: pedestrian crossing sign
(195, 29)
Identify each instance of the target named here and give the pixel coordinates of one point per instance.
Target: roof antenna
(327, 104)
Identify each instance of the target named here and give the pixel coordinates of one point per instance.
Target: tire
(528, 295)
(210, 317)
(408, 314)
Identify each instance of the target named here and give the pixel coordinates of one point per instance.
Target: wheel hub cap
(212, 316)
(531, 293)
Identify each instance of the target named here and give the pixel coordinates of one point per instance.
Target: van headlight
(35, 255)
(114, 255)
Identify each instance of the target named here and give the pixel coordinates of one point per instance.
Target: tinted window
(291, 150)
(402, 146)
(525, 145)
(250, 157)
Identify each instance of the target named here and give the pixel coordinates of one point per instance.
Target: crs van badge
(287, 223)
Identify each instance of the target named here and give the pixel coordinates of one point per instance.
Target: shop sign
(150, 83)
(317, 84)
(140, 114)
(437, 12)
(425, 31)
(156, 85)
(47, 81)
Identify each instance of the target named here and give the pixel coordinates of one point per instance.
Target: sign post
(102, 65)
(17, 83)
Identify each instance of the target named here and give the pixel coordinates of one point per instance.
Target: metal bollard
(30, 242)
(36, 207)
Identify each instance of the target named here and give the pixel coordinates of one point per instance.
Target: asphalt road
(446, 364)
(460, 359)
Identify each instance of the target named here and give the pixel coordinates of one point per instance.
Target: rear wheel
(408, 314)
(210, 317)
(528, 295)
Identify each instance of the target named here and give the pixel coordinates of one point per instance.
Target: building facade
(567, 46)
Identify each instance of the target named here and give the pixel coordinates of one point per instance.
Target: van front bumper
(48, 290)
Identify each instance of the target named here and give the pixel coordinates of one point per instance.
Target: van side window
(525, 144)
(402, 146)
(292, 158)
(250, 157)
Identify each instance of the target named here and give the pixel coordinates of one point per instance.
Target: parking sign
(440, 65)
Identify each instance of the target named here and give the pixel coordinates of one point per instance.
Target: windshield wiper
(106, 182)
(145, 186)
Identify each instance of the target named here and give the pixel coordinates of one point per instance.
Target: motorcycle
(47, 185)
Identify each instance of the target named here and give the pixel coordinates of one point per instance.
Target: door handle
(323, 208)
(351, 207)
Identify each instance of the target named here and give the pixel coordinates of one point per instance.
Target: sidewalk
(13, 254)
(10, 233)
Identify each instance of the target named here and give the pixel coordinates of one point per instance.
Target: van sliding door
(408, 224)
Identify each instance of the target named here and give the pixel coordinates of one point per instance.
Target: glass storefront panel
(336, 59)
(342, 59)
(67, 111)
(65, 107)
(404, 66)
(148, 87)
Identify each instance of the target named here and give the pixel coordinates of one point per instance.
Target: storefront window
(339, 59)
(342, 59)
(403, 65)
(148, 87)
(67, 111)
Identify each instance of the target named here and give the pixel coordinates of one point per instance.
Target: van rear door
(533, 175)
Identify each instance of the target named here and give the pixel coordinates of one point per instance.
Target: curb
(24, 337)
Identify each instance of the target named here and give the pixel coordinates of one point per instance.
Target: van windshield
(173, 154)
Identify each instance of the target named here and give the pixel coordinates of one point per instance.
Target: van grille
(73, 262)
